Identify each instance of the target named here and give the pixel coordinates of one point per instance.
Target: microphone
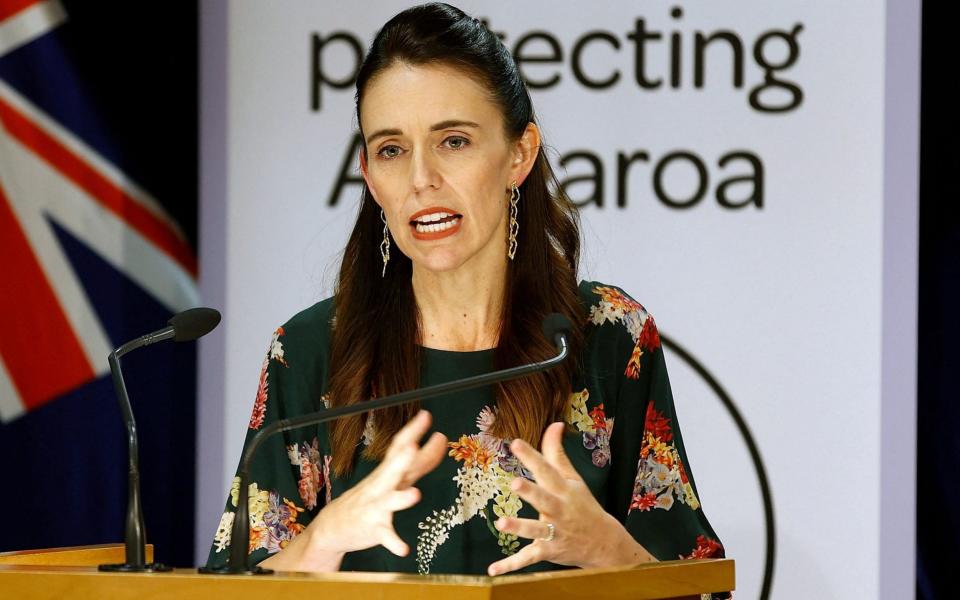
(555, 326)
(182, 327)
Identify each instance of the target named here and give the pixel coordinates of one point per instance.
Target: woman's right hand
(362, 517)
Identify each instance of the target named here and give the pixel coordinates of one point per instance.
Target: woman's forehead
(422, 95)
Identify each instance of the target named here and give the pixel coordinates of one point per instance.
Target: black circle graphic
(741, 423)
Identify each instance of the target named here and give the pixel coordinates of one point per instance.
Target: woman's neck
(460, 310)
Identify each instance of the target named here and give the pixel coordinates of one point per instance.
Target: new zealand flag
(98, 178)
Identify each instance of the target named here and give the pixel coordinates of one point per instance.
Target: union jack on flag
(54, 185)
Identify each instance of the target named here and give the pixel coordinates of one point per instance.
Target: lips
(435, 222)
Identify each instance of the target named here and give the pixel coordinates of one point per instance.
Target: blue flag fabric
(97, 218)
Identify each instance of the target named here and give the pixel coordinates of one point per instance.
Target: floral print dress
(623, 438)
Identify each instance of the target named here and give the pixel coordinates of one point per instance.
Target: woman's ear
(525, 151)
(362, 155)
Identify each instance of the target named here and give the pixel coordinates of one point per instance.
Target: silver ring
(553, 531)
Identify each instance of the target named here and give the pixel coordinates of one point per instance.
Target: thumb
(392, 542)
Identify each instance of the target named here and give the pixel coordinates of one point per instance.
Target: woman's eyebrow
(449, 123)
(453, 123)
(383, 133)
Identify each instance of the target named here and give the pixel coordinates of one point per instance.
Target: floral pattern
(488, 468)
(663, 511)
(368, 430)
(661, 477)
(313, 474)
(616, 307)
(594, 425)
(274, 353)
(706, 548)
(273, 520)
(221, 539)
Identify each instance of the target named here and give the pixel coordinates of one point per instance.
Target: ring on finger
(551, 532)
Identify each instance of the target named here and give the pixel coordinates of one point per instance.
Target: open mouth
(436, 222)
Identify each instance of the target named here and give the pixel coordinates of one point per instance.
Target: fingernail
(499, 524)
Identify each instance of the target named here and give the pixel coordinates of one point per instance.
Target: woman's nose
(423, 171)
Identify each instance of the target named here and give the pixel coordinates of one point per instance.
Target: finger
(527, 556)
(392, 542)
(392, 471)
(532, 529)
(543, 471)
(402, 499)
(552, 446)
(545, 502)
(427, 458)
(412, 431)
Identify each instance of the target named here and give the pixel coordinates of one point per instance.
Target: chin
(440, 261)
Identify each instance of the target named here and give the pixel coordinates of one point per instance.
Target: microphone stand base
(128, 568)
(228, 570)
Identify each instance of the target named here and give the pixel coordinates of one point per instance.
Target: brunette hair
(376, 335)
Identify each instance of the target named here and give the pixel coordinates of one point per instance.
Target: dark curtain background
(136, 104)
(938, 426)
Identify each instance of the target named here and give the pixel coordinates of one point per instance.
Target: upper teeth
(433, 217)
(435, 227)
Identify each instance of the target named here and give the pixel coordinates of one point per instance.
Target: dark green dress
(626, 446)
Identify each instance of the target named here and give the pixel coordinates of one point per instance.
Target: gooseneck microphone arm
(185, 326)
(134, 528)
(240, 532)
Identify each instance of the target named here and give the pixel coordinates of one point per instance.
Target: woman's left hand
(584, 534)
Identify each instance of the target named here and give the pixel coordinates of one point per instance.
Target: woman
(476, 245)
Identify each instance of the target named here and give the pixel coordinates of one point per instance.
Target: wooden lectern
(72, 573)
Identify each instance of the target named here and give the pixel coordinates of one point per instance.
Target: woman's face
(439, 164)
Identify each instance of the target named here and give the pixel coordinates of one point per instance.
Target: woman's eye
(389, 151)
(457, 142)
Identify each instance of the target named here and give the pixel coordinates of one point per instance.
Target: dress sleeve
(651, 488)
(288, 474)
(663, 511)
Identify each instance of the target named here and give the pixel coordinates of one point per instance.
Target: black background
(140, 63)
(938, 410)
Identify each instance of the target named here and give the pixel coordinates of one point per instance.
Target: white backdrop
(787, 299)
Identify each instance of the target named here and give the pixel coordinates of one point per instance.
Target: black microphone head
(193, 323)
(555, 323)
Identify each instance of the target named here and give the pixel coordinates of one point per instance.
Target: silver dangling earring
(385, 244)
(514, 224)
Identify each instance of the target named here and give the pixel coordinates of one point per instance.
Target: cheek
(383, 186)
(491, 214)
(486, 191)
(375, 178)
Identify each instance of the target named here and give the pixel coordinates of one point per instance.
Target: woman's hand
(362, 517)
(584, 534)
